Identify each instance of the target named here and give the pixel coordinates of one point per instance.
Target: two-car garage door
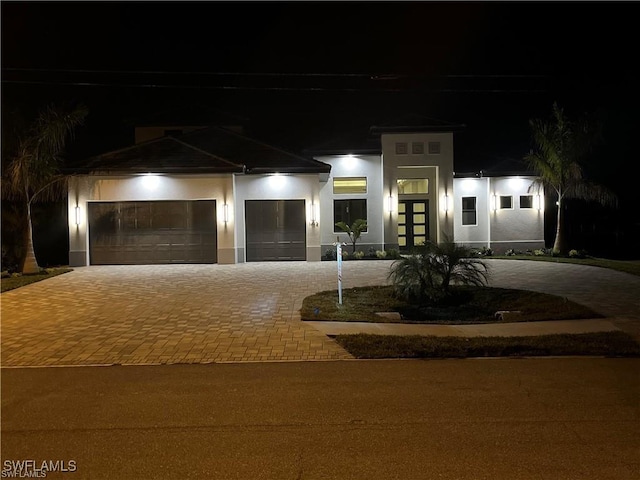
(125, 233)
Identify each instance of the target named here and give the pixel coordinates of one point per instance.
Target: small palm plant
(354, 231)
(428, 274)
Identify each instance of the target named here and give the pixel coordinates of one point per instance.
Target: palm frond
(593, 192)
(54, 127)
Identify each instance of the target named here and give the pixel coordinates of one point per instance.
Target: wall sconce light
(494, 202)
(390, 204)
(447, 203)
(77, 211)
(225, 213)
(314, 214)
(537, 202)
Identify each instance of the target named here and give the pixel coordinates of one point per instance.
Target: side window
(469, 212)
(506, 201)
(526, 201)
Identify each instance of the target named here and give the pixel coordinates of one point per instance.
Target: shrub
(539, 252)
(330, 254)
(427, 274)
(510, 253)
(371, 253)
(482, 252)
(577, 253)
(381, 254)
(393, 253)
(358, 255)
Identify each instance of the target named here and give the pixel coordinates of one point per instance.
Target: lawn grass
(478, 305)
(632, 267)
(609, 344)
(11, 283)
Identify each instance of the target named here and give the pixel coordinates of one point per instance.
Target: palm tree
(561, 148)
(354, 231)
(428, 273)
(32, 171)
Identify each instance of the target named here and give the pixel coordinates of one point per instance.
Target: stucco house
(192, 194)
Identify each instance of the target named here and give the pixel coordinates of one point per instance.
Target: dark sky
(304, 71)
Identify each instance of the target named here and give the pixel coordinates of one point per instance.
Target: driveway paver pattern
(156, 314)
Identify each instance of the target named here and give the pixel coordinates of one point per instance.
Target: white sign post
(339, 259)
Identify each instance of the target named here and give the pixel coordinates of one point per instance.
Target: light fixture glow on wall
(151, 181)
(225, 213)
(537, 202)
(77, 211)
(494, 203)
(390, 204)
(314, 215)
(447, 203)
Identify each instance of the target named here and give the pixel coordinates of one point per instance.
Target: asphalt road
(559, 419)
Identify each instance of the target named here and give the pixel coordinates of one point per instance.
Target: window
(350, 185)
(434, 148)
(417, 148)
(401, 148)
(348, 211)
(506, 201)
(469, 214)
(413, 185)
(526, 201)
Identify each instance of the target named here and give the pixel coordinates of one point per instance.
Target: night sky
(305, 72)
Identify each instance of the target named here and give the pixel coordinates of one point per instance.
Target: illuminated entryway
(152, 232)
(276, 230)
(413, 223)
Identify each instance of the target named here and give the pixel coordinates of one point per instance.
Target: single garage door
(276, 230)
(127, 233)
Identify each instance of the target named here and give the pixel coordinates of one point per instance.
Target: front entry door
(413, 223)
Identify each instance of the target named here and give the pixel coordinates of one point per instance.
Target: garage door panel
(275, 230)
(152, 232)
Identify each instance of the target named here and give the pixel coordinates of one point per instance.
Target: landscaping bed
(466, 305)
(12, 281)
(608, 344)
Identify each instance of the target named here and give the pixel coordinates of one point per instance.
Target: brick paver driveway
(233, 313)
(173, 314)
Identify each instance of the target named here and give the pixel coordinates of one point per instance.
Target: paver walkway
(234, 313)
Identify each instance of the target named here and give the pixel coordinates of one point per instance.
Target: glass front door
(413, 223)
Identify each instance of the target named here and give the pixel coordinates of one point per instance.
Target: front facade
(212, 195)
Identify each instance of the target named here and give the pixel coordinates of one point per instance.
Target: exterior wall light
(77, 211)
(390, 204)
(314, 215)
(494, 202)
(537, 202)
(447, 203)
(225, 213)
